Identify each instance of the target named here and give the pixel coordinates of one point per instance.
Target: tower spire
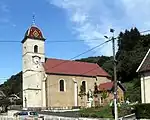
(33, 19)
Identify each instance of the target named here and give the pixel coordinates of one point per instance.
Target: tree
(103, 61)
(108, 66)
(131, 50)
(5, 102)
(133, 91)
(13, 85)
(82, 92)
(104, 95)
(95, 88)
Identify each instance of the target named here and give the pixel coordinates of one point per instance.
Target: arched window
(84, 86)
(35, 49)
(62, 85)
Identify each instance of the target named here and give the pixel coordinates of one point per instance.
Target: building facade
(50, 83)
(144, 72)
(106, 94)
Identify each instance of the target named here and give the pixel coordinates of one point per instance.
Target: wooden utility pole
(115, 76)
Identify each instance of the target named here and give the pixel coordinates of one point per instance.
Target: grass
(99, 112)
(105, 111)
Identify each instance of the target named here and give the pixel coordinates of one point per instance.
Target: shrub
(98, 112)
(93, 115)
(84, 115)
(142, 111)
(125, 109)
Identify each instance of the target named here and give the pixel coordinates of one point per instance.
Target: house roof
(105, 86)
(57, 66)
(145, 64)
(109, 86)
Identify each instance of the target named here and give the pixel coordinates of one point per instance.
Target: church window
(62, 85)
(84, 86)
(35, 49)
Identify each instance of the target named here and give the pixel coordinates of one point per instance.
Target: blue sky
(66, 20)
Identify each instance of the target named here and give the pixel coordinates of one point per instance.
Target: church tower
(33, 56)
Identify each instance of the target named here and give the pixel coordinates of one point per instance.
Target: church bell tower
(33, 57)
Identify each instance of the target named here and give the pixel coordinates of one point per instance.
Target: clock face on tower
(36, 60)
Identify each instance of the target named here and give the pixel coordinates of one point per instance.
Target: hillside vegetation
(132, 47)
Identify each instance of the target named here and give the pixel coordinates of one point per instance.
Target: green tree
(13, 85)
(103, 61)
(82, 92)
(104, 95)
(133, 90)
(95, 89)
(131, 50)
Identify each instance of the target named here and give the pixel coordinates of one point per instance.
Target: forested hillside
(132, 47)
(13, 85)
(104, 61)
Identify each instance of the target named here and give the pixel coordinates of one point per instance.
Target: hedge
(142, 111)
(98, 112)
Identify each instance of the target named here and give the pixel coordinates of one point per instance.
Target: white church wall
(33, 73)
(34, 98)
(32, 80)
(145, 88)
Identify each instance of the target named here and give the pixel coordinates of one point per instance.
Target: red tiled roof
(105, 86)
(57, 66)
(34, 33)
(109, 86)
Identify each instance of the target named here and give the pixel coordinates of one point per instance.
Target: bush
(84, 115)
(142, 111)
(125, 109)
(93, 115)
(98, 112)
(19, 102)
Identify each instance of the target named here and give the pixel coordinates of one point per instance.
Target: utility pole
(115, 76)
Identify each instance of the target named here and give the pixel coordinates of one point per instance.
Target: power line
(61, 41)
(81, 53)
(56, 41)
(69, 59)
(78, 40)
(75, 76)
(75, 56)
(145, 31)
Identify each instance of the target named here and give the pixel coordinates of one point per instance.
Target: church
(54, 83)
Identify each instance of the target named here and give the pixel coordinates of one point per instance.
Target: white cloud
(93, 18)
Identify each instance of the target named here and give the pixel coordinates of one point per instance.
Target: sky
(66, 20)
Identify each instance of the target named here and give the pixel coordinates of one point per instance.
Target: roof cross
(33, 19)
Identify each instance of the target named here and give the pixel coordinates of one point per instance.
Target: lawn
(105, 112)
